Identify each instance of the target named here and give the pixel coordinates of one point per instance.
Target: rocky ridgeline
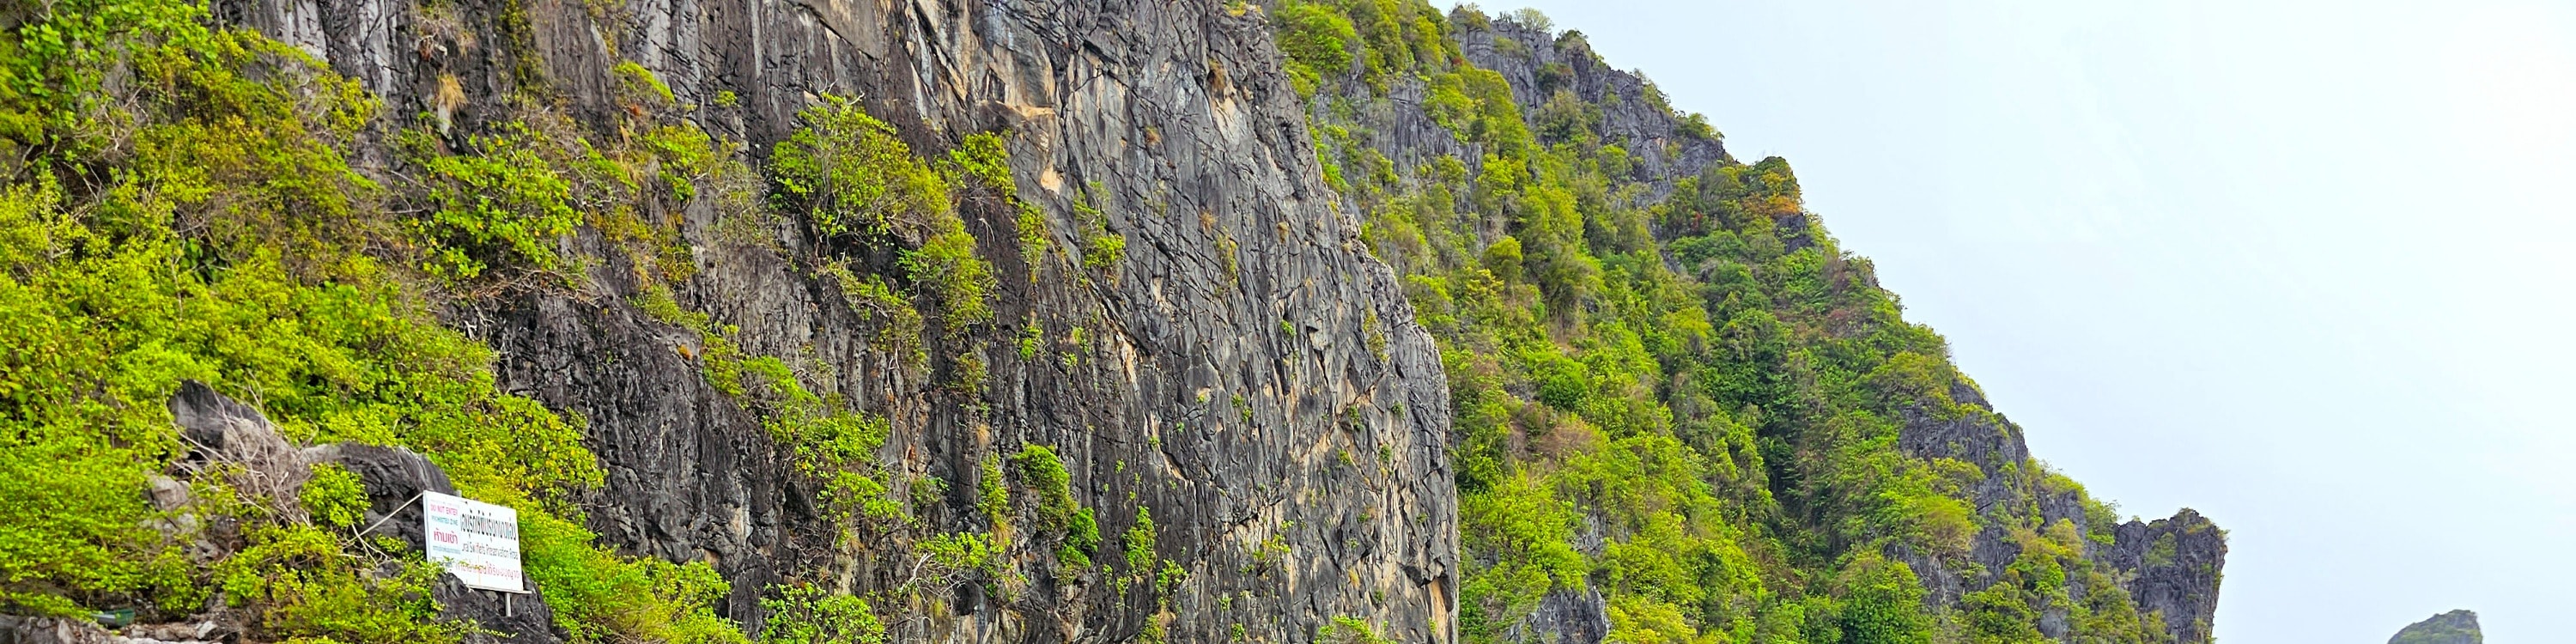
(2169, 566)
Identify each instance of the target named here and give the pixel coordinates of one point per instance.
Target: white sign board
(479, 542)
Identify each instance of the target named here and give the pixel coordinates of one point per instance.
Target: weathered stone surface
(223, 430)
(2175, 565)
(48, 630)
(1539, 63)
(1565, 617)
(1247, 372)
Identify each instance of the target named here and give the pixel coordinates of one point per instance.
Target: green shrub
(77, 522)
(894, 325)
(850, 174)
(1047, 478)
(302, 584)
(1104, 252)
(839, 447)
(1102, 248)
(806, 614)
(1345, 629)
(992, 498)
(1140, 543)
(1081, 538)
(598, 596)
(1883, 604)
(947, 268)
(1446, 101)
(984, 158)
(1032, 338)
(334, 496)
(1317, 40)
(682, 155)
(505, 205)
(1532, 18)
(1033, 234)
(637, 85)
(962, 552)
(1643, 620)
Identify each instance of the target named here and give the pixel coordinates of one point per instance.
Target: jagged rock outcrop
(1565, 617)
(1538, 63)
(2169, 566)
(1247, 374)
(2175, 566)
(2455, 627)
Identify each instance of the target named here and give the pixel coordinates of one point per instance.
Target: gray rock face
(1565, 617)
(2174, 569)
(1538, 63)
(2169, 566)
(2455, 627)
(1247, 373)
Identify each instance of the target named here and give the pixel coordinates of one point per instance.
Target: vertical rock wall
(1247, 374)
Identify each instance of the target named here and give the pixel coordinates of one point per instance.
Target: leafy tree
(1883, 604)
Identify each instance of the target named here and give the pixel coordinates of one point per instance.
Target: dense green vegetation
(201, 221)
(1703, 383)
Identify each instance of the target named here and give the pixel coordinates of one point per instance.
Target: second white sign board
(479, 542)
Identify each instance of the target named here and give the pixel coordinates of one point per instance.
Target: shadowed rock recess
(976, 321)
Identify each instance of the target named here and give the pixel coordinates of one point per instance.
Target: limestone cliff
(1247, 375)
(972, 321)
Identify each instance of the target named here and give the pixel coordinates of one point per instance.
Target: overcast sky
(2304, 266)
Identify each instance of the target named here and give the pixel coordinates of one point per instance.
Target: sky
(2302, 266)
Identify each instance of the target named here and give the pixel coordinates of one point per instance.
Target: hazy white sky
(2304, 266)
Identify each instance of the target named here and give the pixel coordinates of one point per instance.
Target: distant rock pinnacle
(2455, 627)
